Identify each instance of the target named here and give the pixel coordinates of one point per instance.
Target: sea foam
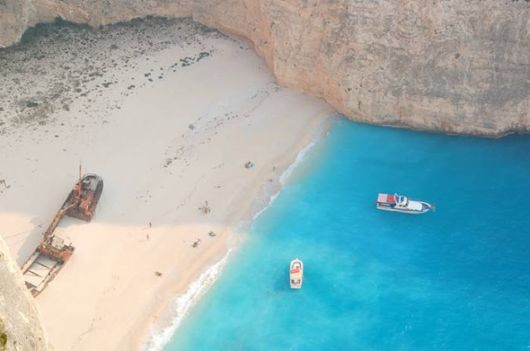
(285, 176)
(184, 302)
(299, 159)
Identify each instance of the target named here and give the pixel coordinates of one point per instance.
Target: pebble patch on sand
(205, 127)
(57, 64)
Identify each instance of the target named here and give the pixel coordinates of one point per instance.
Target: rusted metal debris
(53, 250)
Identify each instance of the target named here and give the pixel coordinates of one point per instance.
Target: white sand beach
(173, 128)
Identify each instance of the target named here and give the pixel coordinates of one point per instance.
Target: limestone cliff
(20, 326)
(446, 65)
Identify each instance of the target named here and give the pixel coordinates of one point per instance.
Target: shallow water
(454, 279)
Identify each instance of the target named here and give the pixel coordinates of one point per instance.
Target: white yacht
(401, 203)
(296, 273)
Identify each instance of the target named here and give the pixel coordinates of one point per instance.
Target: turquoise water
(454, 279)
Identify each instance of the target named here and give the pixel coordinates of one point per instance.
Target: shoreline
(168, 129)
(158, 333)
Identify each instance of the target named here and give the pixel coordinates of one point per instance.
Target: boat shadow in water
(281, 283)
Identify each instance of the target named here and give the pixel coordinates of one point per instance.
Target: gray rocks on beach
(57, 64)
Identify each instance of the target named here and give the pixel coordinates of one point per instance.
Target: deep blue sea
(454, 279)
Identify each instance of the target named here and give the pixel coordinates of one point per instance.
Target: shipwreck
(54, 249)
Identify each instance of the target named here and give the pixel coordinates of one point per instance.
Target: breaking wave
(184, 302)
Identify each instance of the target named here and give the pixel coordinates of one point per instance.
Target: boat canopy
(386, 198)
(402, 200)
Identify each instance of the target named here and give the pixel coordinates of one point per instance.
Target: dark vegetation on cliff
(3, 337)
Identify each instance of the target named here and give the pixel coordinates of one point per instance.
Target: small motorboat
(296, 273)
(401, 203)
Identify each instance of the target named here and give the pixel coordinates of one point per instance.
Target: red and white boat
(296, 273)
(401, 203)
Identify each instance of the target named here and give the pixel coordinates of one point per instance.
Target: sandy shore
(168, 113)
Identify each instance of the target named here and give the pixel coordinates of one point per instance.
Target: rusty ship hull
(53, 250)
(85, 196)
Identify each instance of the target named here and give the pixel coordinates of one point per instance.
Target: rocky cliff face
(20, 327)
(446, 65)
